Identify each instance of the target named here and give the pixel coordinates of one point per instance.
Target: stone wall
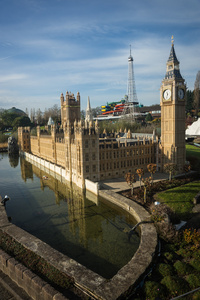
(33, 285)
(84, 154)
(84, 279)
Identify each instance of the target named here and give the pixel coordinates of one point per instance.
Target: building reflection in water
(86, 223)
(14, 159)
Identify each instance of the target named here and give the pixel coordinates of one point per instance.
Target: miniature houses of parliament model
(83, 153)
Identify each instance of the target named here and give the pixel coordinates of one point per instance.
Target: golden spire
(172, 39)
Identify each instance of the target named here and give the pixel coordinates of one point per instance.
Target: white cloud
(84, 46)
(12, 77)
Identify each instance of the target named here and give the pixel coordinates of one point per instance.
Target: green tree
(8, 118)
(148, 117)
(21, 122)
(189, 101)
(196, 102)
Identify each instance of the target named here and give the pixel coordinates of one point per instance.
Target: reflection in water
(85, 228)
(14, 159)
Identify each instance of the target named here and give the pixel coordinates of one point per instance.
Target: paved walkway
(119, 184)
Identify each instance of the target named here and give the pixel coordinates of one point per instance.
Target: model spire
(172, 39)
(132, 96)
(88, 115)
(173, 70)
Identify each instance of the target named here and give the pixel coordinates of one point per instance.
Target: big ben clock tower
(172, 101)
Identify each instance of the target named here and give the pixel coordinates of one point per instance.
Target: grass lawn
(193, 155)
(180, 199)
(193, 151)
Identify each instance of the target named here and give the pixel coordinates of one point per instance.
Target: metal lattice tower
(132, 95)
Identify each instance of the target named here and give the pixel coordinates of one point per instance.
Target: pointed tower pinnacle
(173, 70)
(88, 115)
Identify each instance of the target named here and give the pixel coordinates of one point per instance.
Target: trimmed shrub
(182, 268)
(193, 280)
(195, 263)
(175, 285)
(196, 296)
(165, 270)
(170, 247)
(196, 254)
(169, 256)
(154, 290)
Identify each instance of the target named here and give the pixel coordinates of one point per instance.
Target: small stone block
(36, 288)
(4, 257)
(19, 270)
(11, 263)
(59, 296)
(48, 292)
(27, 281)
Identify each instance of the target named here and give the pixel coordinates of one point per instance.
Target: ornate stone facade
(172, 101)
(85, 154)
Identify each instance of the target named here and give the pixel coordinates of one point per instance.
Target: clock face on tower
(167, 94)
(181, 94)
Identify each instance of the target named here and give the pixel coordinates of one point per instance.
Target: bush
(154, 290)
(169, 256)
(193, 280)
(175, 285)
(195, 263)
(182, 268)
(3, 138)
(165, 269)
(196, 254)
(196, 296)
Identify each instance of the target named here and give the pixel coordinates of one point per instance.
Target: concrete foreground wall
(84, 279)
(34, 286)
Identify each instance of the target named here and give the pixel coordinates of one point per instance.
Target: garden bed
(154, 188)
(177, 268)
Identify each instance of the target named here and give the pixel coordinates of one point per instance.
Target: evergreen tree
(148, 118)
(189, 101)
(196, 102)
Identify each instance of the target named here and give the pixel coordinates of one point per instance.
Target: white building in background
(50, 121)
(194, 129)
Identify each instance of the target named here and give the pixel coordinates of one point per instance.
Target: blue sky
(48, 47)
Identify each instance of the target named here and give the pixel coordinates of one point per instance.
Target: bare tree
(152, 169)
(32, 115)
(46, 115)
(147, 183)
(26, 111)
(130, 179)
(55, 113)
(196, 102)
(171, 169)
(140, 173)
(38, 116)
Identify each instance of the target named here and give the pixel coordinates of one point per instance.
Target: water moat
(86, 228)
